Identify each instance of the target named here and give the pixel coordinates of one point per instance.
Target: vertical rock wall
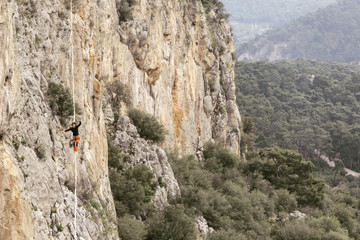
(179, 64)
(37, 165)
(176, 60)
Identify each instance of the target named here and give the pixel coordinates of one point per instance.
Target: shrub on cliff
(124, 9)
(61, 102)
(217, 6)
(119, 93)
(147, 125)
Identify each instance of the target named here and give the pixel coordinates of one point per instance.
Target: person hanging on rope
(75, 132)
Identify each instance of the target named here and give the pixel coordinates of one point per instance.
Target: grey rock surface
(167, 57)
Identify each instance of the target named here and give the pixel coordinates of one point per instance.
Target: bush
(171, 224)
(217, 6)
(335, 236)
(130, 228)
(296, 230)
(133, 190)
(327, 224)
(61, 101)
(285, 201)
(227, 234)
(147, 125)
(124, 9)
(188, 171)
(119, 93)
(40, 152)
(115, 156)
(248, 125)
(218, 157)
(346, 217)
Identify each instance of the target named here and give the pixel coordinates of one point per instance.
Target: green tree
(147, 125)
(218, 157)
(171, 224)
(288, 169)
(131, 229)
(133, 190)
(339, 168)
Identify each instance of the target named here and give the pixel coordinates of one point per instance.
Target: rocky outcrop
(140, 151)
(176, 60)
(203, 229)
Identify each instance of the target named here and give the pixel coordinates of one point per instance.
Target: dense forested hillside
(271, 196)
(251, 17)
(303, 105)
(330, 34)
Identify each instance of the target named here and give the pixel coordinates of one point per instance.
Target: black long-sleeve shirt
(74, 130)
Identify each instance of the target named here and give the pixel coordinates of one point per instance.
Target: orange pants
(76, 142)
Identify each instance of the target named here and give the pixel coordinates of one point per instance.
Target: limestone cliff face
(178, 64)
(182, 71)
(37, 168)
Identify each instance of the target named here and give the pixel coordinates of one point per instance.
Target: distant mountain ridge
(330, 34)
(250, 18)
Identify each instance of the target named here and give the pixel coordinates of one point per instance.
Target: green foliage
(116, 158)
(346, 217)
(133, 190)
(147, 125)
(40, 152)
(61, 102)
(240, 203)
(218, 157)
(228, 235)
(130, 228)
(171, 224)
(339, 168)
(322, 35)
(247, 135)
(95, 205)
(59, 227)
(288, 169)
(285, 202)
(322, 228)
(124, 9)
(215, 5)
(119, 92)
(303, 105)
(220, 194)
(295, 230)
(248, 125)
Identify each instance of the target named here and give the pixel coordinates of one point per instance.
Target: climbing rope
(75, 195)
(72, 56)
(73, 88)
